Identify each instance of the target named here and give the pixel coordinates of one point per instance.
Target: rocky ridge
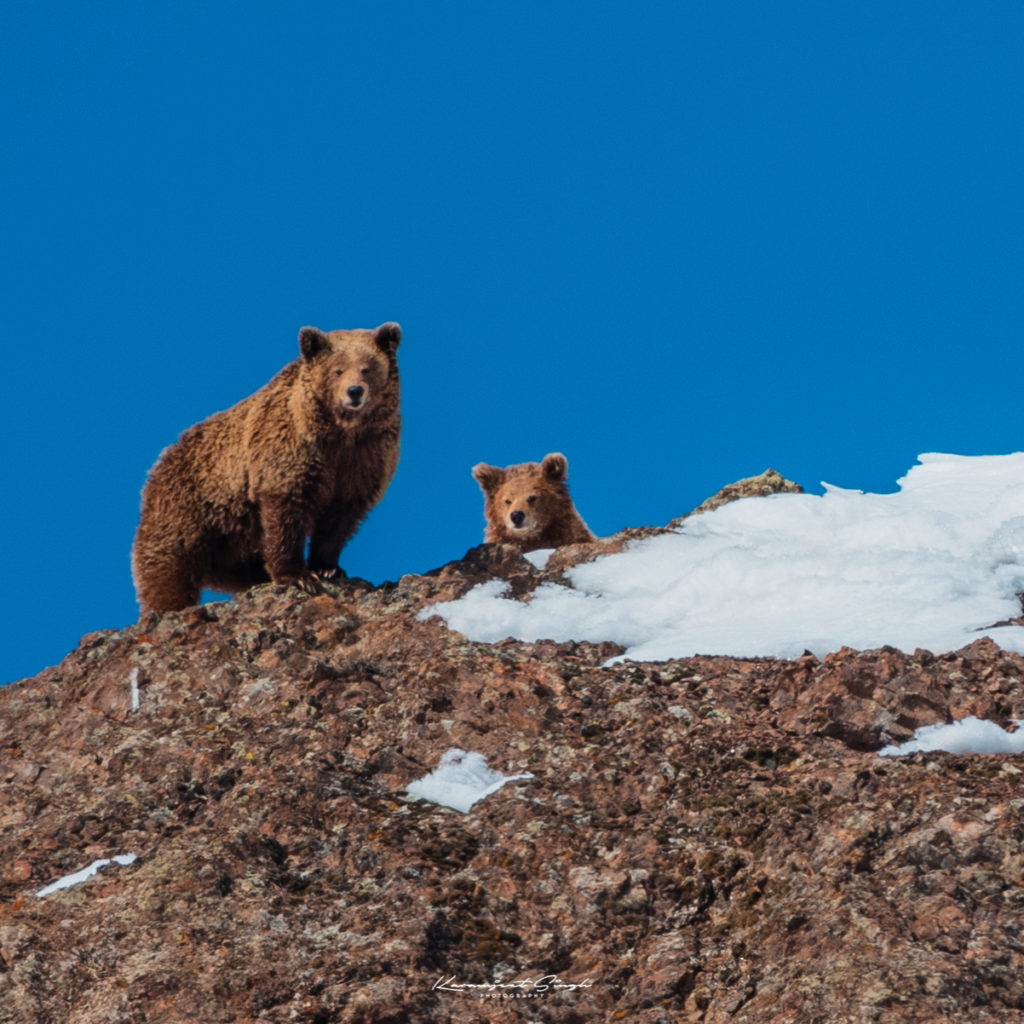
(707, 839)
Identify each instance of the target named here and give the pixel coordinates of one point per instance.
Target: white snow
(460, 780)
(133, 683)
(934, 565)
(968, 736)
(539, 558)
(85, 874)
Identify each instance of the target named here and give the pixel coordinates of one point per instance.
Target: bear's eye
(363, 370)
(338, 373)
(508, 501)
(532, 499)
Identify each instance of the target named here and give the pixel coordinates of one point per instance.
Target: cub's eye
(364, 370)
(532, 499)
(338, 373)
(508, 501)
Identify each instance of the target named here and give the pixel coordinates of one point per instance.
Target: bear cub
(529, 506)
(235, 500)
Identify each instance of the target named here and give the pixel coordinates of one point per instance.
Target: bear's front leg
(284, 538)
(330, 535)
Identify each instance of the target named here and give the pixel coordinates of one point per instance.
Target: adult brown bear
(235, 500)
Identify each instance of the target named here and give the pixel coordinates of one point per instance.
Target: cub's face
(523, 500)
(524, 505)
(349, 369)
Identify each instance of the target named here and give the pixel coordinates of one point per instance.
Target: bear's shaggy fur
(233, 502)
(529, 506)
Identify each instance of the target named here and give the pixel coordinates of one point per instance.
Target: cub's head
(350, 371)
(521, 501)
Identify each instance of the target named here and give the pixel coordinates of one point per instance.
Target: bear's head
(523, 500)
(350, 371)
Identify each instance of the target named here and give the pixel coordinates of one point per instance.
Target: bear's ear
(312, 341)
(555, 466)
(388, 337)
(490, 478)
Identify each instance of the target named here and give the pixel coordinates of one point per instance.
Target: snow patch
(460, 780)
(934, 565)
(85, 874)
(968, 736)
(539, 558)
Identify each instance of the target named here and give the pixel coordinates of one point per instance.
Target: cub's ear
(312, 341)
(388, 337)
(555, 466)
(490, 478)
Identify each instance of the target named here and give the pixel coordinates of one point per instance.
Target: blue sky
(678, 242)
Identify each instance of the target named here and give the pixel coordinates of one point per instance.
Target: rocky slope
(709, 839)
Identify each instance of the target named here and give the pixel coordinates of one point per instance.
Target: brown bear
(233, 502)
(529, 506)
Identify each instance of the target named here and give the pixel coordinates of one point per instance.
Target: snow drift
(935, 565)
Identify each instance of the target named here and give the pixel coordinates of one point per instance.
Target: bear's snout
(355, 394)
(517, 518)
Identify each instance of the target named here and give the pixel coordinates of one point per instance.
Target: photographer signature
(525, 986)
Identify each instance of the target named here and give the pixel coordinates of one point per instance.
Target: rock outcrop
(708, 839)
